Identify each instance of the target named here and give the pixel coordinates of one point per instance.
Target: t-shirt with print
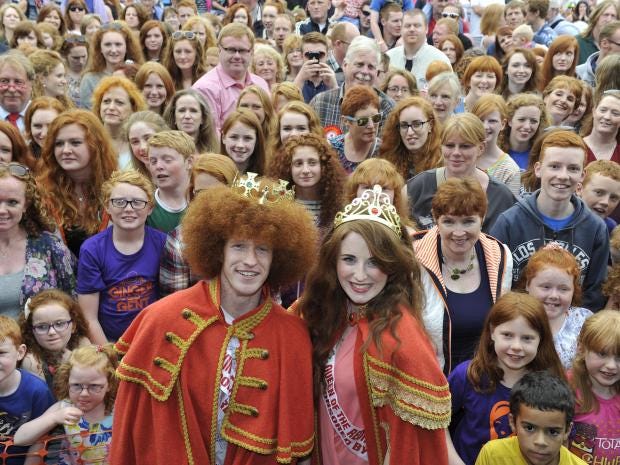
(29, 401)
(595, 436)
(126, 283)
(476, 417)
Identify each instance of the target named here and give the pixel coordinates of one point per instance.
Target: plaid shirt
(327, 107)
(174, 273)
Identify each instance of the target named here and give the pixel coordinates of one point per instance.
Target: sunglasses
(315, 55)
(114, 26)
(75, 8)
(364, 120)
(450, 15)
(75, 39)
(366, 12)
(180, 35)
(16, 169)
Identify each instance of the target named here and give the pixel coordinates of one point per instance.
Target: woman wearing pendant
(465, 270)
(375, 369)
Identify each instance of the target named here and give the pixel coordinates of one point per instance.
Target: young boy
(601, 189)
(23, 396)
(541, 413)
(118, 271)
(170, 164)
(555, 214)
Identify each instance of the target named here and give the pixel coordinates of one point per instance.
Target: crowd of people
(310, 231)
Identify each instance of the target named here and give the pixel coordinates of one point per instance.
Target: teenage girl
(515, 339)
(52, 326)
(552, 276)
(87, 387)
(596, 380)
(243, 141)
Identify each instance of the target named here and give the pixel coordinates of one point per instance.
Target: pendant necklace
(456, 273)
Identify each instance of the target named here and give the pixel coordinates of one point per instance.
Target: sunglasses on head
(113, 26)
(180, 35)
(16, 169)
(75, 39)
(450, 15)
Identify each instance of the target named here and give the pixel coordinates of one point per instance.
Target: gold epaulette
(413, 400)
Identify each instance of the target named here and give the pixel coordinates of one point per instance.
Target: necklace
(456, 273)
(354, 316)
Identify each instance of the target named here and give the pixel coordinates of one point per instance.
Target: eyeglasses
(114, 26)
(75, 39)
(234, 51)
(180, 35)
(44, 328)
(136, 204)
(18, 84)
(75, 8)
(366, 12)
(364, 120)
(450, 15)
(16, 169)
(91, 388)
(404, 125)
(398, 90)
(315, 55)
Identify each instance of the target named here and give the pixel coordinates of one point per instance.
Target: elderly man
(224, 83)
(361, 65)
(16, 76)
(220, 373)
(415, 54)
(608, 44)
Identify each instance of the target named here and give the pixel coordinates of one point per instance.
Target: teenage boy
(601, 189)
(170, 163)
(23, 396)
(555, 214)
(315, 75)
(541, 414)
(118, 269)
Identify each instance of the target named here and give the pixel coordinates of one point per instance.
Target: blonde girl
(87, 388)
(515, 340)
(52, 326)
(596, 380)
(552, 276)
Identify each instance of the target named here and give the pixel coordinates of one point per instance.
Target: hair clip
(99, 348)
(27, 309)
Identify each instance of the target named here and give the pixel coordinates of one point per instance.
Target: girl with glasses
(184, 59)
(87, 388)
(119, 267)
(33, 258)
(52, 326)
(75, 10)
(399, 84)
(361, 118)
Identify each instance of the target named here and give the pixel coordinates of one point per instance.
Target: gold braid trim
(243, 409)
(408, 378)
(142, 377)
(410, 403)
(186, 440)
(373, 413)
(121, 347)
(252, 382)
(216, 388)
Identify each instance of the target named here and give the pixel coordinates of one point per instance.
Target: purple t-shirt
(126, 283)
(476, 418)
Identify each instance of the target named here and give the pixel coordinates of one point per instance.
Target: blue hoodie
(522, 229)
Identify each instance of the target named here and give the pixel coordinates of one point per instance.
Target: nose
(142, 146)
(540, 439)
(359, 271)
(515, 345)
(249, 257)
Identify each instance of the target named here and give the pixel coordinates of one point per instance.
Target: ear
(569, 428)
(189, 162)
(21, 351)
(537, 167)
(512, 421)
(504, 123)
(579, 189)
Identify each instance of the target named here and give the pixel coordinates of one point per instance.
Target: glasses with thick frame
(76, 388)
(414, 125)
(136, 204)
(234, 51)
(364, 120)
(44, 328)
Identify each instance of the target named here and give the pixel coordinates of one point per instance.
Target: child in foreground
(541, 410)
(87, 386)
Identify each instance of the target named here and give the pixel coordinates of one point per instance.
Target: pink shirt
(222, 92)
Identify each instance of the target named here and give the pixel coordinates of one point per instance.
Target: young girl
(596, 380)
(243, 141)
(516, 339)
(52, 326)
(87, 387)
(552, 276)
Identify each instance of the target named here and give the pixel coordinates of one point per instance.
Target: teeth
(248, 274)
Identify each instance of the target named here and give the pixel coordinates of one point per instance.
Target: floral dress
(49, 265)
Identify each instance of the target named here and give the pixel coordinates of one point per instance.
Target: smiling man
(220, 373)
(555, 214)
(224, 83)
(16, 75)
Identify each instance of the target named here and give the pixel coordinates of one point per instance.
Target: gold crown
(271, 192)
(373, 205)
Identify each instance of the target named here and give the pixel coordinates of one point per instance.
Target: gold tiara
(373, 205)
(271, 192)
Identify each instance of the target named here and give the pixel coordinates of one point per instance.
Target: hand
(328, 76)
(310, 70)
(68, 416)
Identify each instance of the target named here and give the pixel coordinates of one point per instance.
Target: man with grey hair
(608, 44)
(16, 76)
(360, 67)
(415, 54)
(559, 23)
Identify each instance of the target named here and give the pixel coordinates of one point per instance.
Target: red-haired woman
(561, 58)
(482, 76)
(77, 158)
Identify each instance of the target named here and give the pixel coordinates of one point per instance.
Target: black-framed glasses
(75, 39)
(404, 125)
(180, 35)
(136, 204)
(75, 388)
(450, 15)
(234, 51)
(364, 120)
(16, 169)
(75, 8)
(315, 55)
(44, 328)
